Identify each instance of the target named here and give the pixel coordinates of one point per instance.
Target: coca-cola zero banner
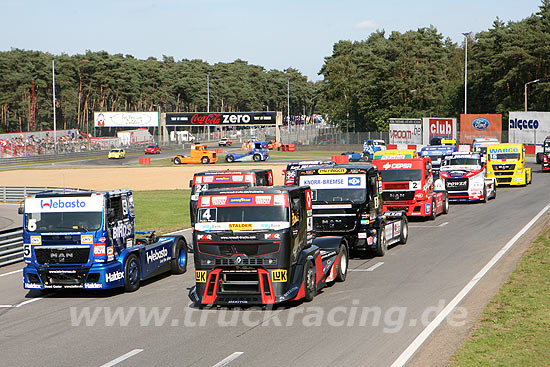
(220, 118)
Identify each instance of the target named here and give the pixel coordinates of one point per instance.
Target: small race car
(116, 153)
(153, 149)
(257, 153)
(225, 142)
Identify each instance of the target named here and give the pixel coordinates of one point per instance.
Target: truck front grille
(63, 277)
(397, 195)
(242, 282)
(230, 249)
(62, 255)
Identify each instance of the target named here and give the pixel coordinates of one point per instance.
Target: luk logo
(354, 181)
(200, 276)
(112, 277)
(278, 276)
(480, 124)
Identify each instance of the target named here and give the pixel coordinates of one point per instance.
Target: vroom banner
(405, 131)
(480, 126)
(126, 119)
(220, 118)
(435, 127)
(528, 127)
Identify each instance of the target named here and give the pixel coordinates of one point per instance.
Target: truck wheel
(229, 159)
(484, 195)
(205, 160)
(309, 282)
(132, 274)
(257, 157)
(404, 230)
(433, 212)
(342, 264)
(179, 263)
(381, 243)
(446, 205)
(177, 160)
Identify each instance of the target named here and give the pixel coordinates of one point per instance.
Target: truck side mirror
(110, 214)
(21, 210)
(190, 183)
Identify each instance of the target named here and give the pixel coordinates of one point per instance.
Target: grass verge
(514, 328)
(162, 210)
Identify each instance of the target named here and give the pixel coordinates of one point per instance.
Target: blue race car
(257, 153)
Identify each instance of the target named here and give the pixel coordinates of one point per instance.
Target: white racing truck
(465, 178)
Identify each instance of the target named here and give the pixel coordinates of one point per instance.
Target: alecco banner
(126, 119)
(220, 118)
(528, 127)
(480, 126)
(405, 131)
(434, 127)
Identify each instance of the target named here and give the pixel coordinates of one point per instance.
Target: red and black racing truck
(408, 185)
(225, 179)
(256, 247)
(347, 202)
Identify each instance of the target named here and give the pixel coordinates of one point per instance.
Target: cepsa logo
(60, 204)
(390, 165)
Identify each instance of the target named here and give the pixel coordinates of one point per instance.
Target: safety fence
(11, 246)
(16, 194)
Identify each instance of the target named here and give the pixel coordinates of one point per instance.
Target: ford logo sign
(480, 124)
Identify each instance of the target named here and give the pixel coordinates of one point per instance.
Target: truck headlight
(519, 171)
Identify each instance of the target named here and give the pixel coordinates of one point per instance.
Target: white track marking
(438, 226)
(122, 358)
(28, 301)
(372, 268)
(181, 230)
(421, 338)
(228, 359)
(10, 273)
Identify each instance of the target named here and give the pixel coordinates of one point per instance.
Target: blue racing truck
(88, 240)
(436, 153)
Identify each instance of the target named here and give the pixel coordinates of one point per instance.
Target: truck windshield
(462, 162)
(198, 188)
(402, 175)
(244, 214)
(337, 188)
(356, 196)
(63, 222)
(494, 157)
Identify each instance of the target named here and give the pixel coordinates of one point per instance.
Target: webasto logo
(156, 255)
(61, 204)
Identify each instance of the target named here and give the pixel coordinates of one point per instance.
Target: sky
(275, 34)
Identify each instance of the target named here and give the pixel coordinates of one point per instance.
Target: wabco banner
(220, 118)
(528, 127)
(435, 127)
(64, 204)
(126, 119)
(480, 126)
(405, 131)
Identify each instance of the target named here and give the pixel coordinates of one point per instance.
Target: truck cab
(88, 240)
(436, 153)
(290, 173)
(199, 154)
(506, 164)
(544, 156)
(208, 180)
(371, 146)
(256, 247)
(347, 202)
(408, 185)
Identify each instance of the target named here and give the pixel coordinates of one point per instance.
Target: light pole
(54, 119)
(288, 102)
(208, 98)
(525, 91)
(466, 72)
(158, 122)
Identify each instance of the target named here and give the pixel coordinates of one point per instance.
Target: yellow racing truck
(506, 163)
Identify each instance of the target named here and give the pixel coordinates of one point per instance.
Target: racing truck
(199, 154)
(371, 146)
(291, 178)
(436, 153)
(88, 240)
(347, 202)
(466, 178)
(408, 185)
(545, 153)
(506, 164)
(256, 247)
(203, 181)
(259, 152)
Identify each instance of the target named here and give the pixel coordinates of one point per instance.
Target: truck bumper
(98, 276)
(412, 209)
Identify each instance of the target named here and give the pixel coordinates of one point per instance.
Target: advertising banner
(480, 126)
(126, 119)
(220, 118)
(405, 131)
(528, 127)
(435, 127)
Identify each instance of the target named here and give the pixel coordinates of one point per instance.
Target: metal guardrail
(12, 193)
(11, 246)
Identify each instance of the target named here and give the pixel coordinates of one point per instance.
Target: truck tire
(177, 160)
(342, 264)
(205, 160)
(433, 212)
(381, 243)
(229, 159)
(446, 204)
(179, 262)
(404, 236)
(485, 199)
(257, 157)
(132, 273)
(309, 282)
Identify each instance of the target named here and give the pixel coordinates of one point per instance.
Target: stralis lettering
(157, 255)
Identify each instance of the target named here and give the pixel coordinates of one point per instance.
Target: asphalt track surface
(8, 216)
(406, 287)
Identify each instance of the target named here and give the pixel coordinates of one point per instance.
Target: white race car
(465, 178)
